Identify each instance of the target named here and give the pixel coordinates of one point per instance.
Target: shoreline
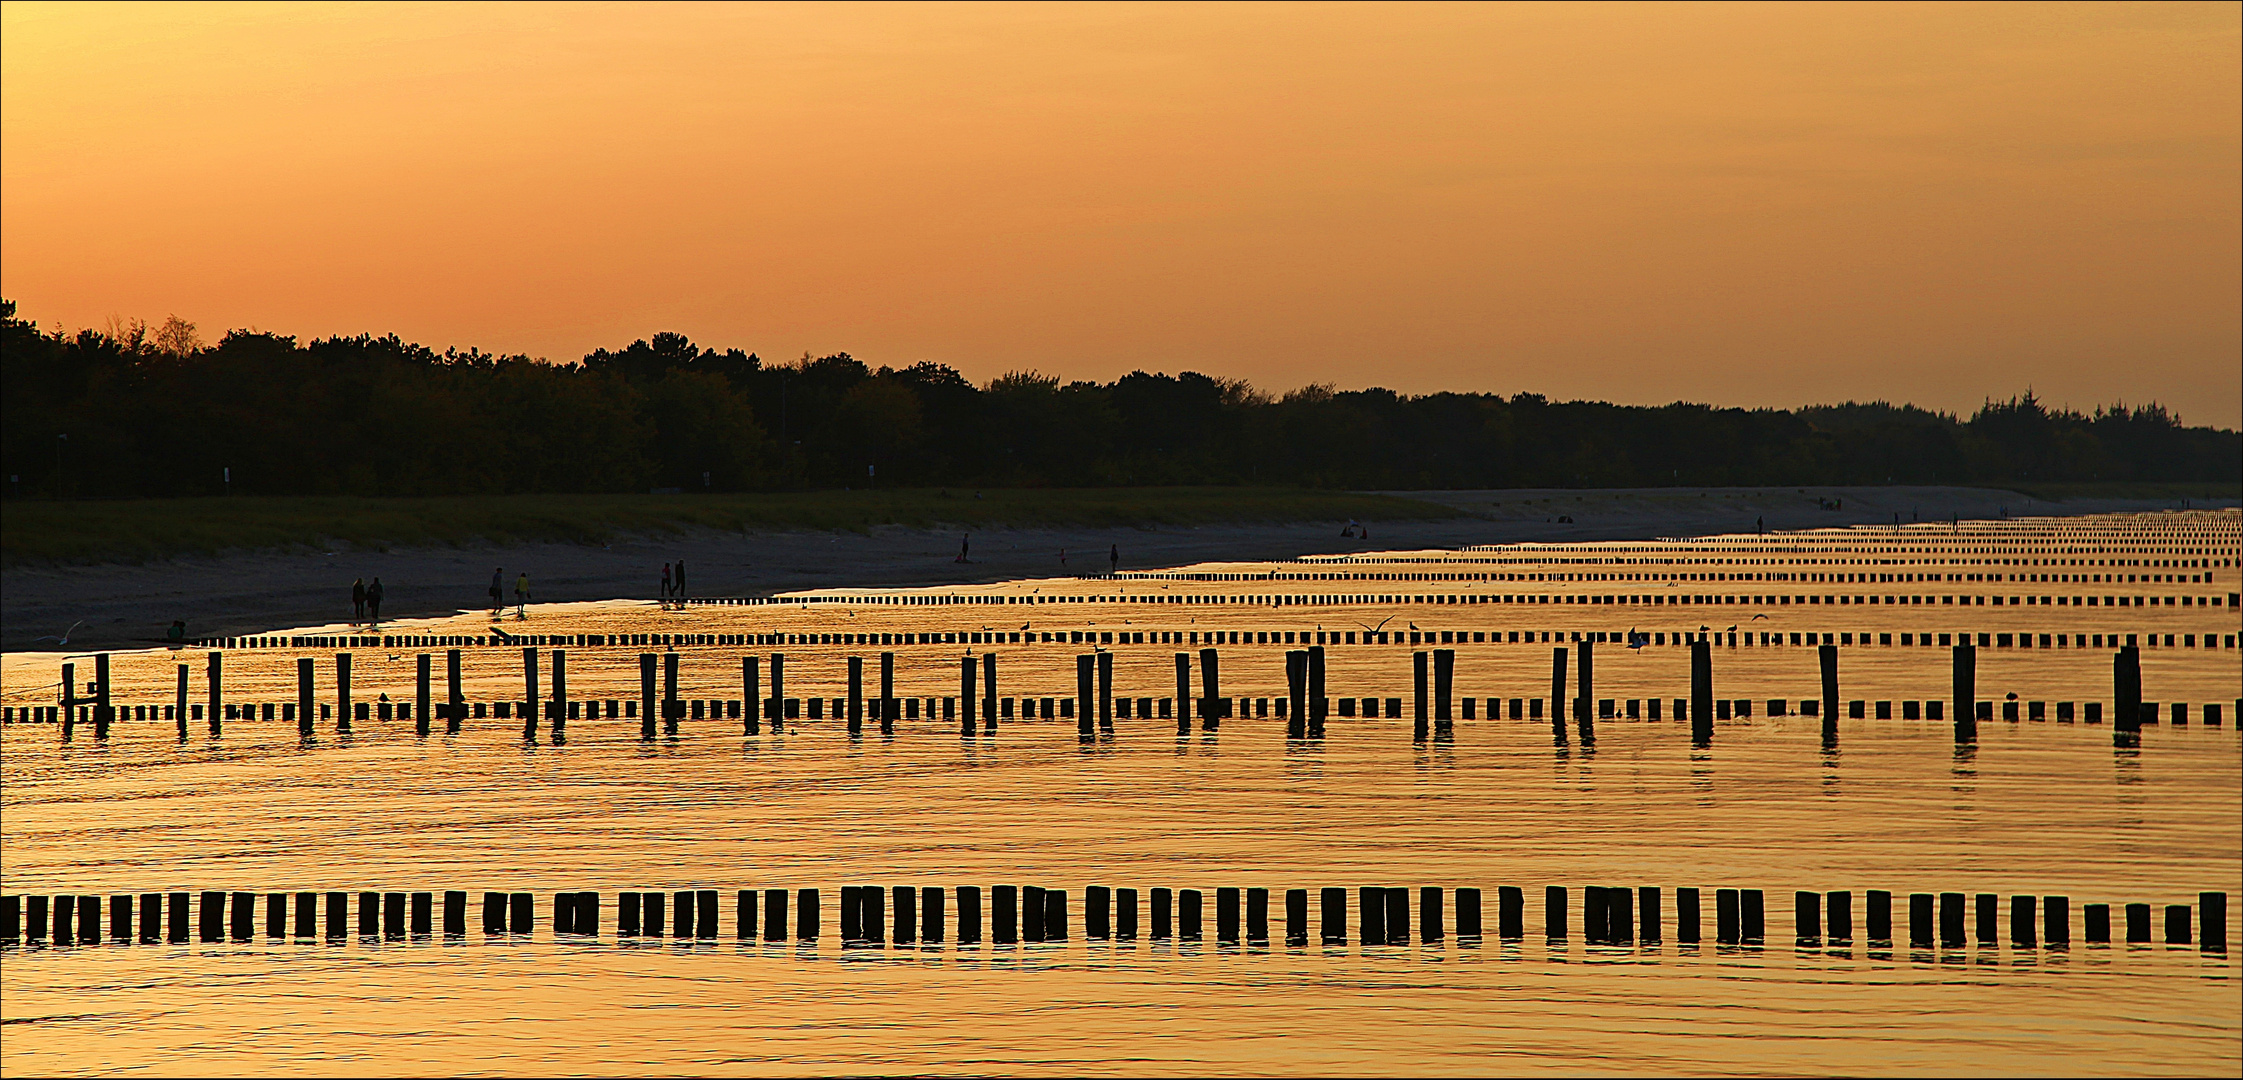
(130, 605)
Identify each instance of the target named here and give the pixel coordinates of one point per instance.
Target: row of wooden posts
(902, 914)
(1206, 637)
(1305, 708)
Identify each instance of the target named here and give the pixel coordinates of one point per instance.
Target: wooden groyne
(1095, 705)
(907, 914)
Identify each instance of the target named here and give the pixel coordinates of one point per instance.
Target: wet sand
(109, 606)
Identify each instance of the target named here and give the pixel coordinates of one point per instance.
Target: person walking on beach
(681, 581)
(965, 538)
(522, 596)
(374, 601)
(1113, 561)
(665, 584)
(358, 601)
(498, 597)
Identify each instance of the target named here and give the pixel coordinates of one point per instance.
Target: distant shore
(121, 605)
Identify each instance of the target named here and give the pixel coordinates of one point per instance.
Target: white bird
(65, 638)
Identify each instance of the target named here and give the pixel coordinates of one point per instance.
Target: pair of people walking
(673, 583)
(498, 594)
(366, 601)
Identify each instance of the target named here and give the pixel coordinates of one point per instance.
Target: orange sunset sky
(1752, 205)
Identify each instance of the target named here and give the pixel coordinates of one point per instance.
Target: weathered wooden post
(342, 693)
(1183, 693)
(214, 678)
(751, 698)
(1701, 693)
(887, 693)
(560, 694)
(989, 693)
(1966, 693)
(304, 698)
(1557, 695)
(646, 695)
(1211, 679)
(1444, 683)
(1584, 702)
(69, 701)
(1421, 723)
(1316, 701)
(1083, 701)
(1828, 656)
(455, 711)
(856, 695)
(672, 708)
(966, 669)
(103, 711)
(1106, 692)
(777, 713)
(420, 695)
(2126, 690)
(531, 699)
(181, 706)
(1296, 695)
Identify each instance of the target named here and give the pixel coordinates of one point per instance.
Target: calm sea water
(2032, 808)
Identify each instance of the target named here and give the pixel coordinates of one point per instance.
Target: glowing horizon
(1742, 205)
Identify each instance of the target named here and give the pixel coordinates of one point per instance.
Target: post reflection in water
(1154, 804)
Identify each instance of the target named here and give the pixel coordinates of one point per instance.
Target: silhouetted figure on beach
(522, 596)
(665, 584)
(498, 595)
(681, 581)
(965, 539)
(1113, 561)
(374, 601)
(358, 600)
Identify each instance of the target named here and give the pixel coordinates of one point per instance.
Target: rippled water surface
(1773, 803)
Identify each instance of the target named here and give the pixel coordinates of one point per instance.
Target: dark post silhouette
(1557, 695)
(420, 694)
(887, 693)
(1183, 693)
(1966, 693)
(1083, 672)
(530, 697)
(304, 698)
(1828, 656)
(456, 709)
(2126, 690)
(1210, 678)
(751, 694)
(342, 693)
(214, 675)
(1420, 723)
(1106, 692)
(671, 706)
(966, 696)
(1701, 693)
(856, 696)
(1584, 702)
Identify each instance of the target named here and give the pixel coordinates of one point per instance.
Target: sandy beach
(111, 606)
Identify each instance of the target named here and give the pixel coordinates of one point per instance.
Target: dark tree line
(121, 412)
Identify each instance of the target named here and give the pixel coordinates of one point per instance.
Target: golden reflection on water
(1776, 803)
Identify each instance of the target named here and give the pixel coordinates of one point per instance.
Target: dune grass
(140, 530)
